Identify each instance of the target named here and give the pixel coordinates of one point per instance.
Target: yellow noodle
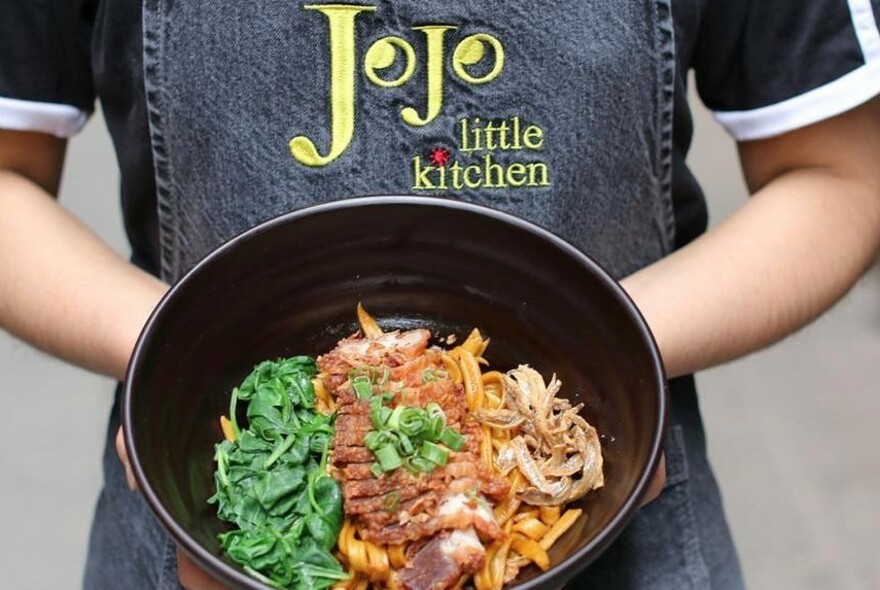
(526, 514)
(495, 377)
(396, 556)
(473, 385)
(499, 563)
(368, 325)
(226, 427)
(516, 480)
(326, 404)
(451, 367)
(492, 399)
(362, 556)
(533, 528)
(486, 449)
(550, 514)
(483, 578)
(532, 550)
(474, 344)
(507, 509)
(559, 527)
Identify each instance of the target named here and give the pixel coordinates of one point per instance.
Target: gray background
(792, 430)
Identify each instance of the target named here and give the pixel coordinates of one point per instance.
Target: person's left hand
(190, 575)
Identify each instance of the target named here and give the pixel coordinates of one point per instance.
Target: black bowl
(290, 286)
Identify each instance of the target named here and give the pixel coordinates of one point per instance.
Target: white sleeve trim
(833, 98)
(60, 120)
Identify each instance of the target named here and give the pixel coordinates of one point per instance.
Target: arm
(810, 230)
(61, 288)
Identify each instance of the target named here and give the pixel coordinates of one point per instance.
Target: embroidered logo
(391, 62)
(382, 55)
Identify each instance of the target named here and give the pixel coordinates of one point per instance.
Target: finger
(123, 457)
(657, 482)
(192, 577)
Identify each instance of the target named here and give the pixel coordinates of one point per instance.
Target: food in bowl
(422, 262)
(423, 471)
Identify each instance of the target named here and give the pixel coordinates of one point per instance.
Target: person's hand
(657, 482)
(190, 575)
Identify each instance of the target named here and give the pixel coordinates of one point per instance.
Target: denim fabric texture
(230, 83)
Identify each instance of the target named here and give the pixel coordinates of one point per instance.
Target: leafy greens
(272, 484)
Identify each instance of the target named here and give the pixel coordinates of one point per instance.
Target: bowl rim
(565, 569)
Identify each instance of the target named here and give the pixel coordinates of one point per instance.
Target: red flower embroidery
(440, 156)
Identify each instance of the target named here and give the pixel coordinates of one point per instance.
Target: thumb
(123, 457)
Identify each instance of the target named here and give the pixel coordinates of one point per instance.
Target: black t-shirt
(763, 68)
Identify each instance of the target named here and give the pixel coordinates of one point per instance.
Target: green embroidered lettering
(466, 131)
(423, 183)
(340, 19)
(382, 55)
(534, 168)
(490, 168)
(516, 174)
(434, 34)
(471, 50)
(533, 137)
(467, 177)
(503, 136)
(456, 175)
(517, 145)
(441, 173)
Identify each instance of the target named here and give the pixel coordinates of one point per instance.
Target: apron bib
(560, 113)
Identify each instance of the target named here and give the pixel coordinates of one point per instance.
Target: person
(573, 115)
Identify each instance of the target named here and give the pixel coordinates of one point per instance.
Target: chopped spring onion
(452, 439)
(413, 421)
(391, 501)
(429, 375)
(362, 387)
(419, 465)
(388, 458)
(393, 421)
(379, 413)
(405, 444)
(434, 453)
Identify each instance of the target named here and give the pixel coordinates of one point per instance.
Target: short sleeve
(765, 68)
(45, 74)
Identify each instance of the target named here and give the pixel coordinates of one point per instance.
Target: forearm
(787, 255)
(61, 288)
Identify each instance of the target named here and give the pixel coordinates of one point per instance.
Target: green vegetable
(362, 387)
(388, 458)
(452, 439)
(434, 453)
(391, 501)
(271, 482)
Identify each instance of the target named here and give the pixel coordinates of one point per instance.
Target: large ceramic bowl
(290, 286)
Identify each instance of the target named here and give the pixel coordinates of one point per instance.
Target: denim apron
(560, 113)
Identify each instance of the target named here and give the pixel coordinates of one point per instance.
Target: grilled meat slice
(398, 506)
